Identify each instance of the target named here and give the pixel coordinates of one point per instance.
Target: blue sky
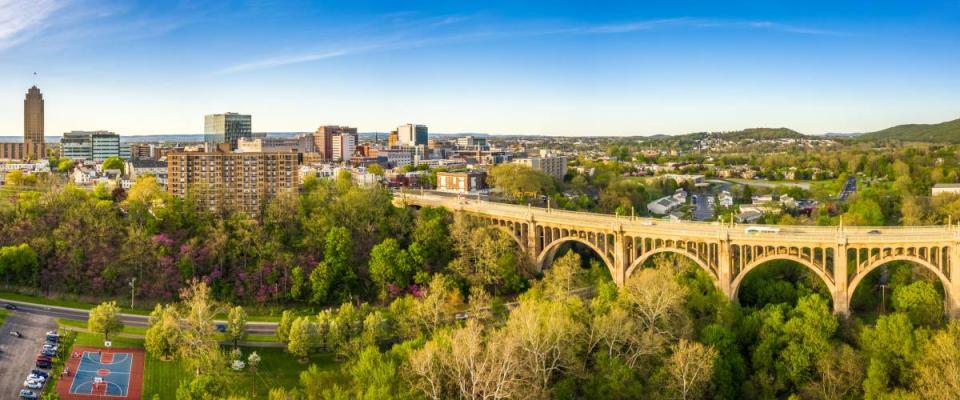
(535, 67)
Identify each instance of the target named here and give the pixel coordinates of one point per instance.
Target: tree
(938, 369)
(920, 301)
(237, 324)
(689, 368)
(519, 180)
(333, 278)
(105, 319)
(839, 375)
(302, 336)
(891, 347)
(253, 361)
(864, 212)
(283, 327)
(297, 283)
(390, 265)
(656, 299)
(19, 262)
(113, 163)
(162, 339)
(199, 346)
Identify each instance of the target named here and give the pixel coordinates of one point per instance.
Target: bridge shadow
(779, 282)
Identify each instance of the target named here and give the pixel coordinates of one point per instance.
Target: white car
(35, 377)
(32, 384)
(50, 347)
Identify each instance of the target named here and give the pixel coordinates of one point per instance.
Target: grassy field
(277, 369)
(3, 316)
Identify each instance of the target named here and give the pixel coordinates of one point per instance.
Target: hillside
(751, 133)
(943, 132)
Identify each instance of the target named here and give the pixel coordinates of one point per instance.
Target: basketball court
(103, 373)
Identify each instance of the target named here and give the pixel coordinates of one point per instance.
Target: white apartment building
(555, 166)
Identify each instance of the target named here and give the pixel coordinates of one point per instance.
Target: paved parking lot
(19, 354)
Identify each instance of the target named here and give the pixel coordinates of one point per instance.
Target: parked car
(15, 333)
(45, 364)
(40, 373)
(48, 352)
(50, 346)
(36, 377)
(221, 328)
(28, 394)
(10, 306)
(32, 384)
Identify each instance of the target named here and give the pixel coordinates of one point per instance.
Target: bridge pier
(841, 302)
(952, 295)
(725, 269)
(620, 266)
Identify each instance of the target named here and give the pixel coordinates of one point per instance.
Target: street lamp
(133, 282)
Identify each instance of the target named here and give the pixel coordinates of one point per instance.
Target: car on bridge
(754, 230)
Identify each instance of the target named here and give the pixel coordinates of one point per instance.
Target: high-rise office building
(226, 128)
(393, 139)
(227, 180)
(323, 139)
(33, 143)
(412, 135)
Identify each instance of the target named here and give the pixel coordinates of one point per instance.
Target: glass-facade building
(92, 146)
(226, 128)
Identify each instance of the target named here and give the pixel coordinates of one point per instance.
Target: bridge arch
(862, 273)
(509, 232)
(826, 279)
(549, 251)
(638, 263)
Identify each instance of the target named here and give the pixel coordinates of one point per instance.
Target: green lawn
(3, 316)
(277, 369)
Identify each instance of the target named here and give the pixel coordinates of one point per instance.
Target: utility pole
(133, 282)
(883, 292)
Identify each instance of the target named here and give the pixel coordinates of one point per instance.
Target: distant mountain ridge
(944, 132)
(751, 133)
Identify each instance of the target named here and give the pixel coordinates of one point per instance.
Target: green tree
(105, 319)
(390, 265)
(199, 348)
(162, 339)
(517, 180)
(19, 262)
(237, 325)
(302, 336)
(283, 327)
(937, 371)
(891, 348)
(920, 301)
(864, 212)
(297, 283)
(113, 163)
(333, 278)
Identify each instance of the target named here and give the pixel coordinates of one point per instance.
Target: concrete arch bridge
(840, 256)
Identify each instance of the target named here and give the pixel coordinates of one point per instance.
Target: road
(849, 188)
(19, 354)
(254, 328)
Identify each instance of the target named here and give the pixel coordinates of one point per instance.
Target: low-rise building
(461, 182)
(725, 199)
(664, 205)
(944, 188)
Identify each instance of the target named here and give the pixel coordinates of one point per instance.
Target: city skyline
(500, 68)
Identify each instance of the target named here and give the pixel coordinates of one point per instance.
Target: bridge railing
(648, 223)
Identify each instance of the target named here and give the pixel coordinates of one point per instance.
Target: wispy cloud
(405, 40)
(22, 19)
